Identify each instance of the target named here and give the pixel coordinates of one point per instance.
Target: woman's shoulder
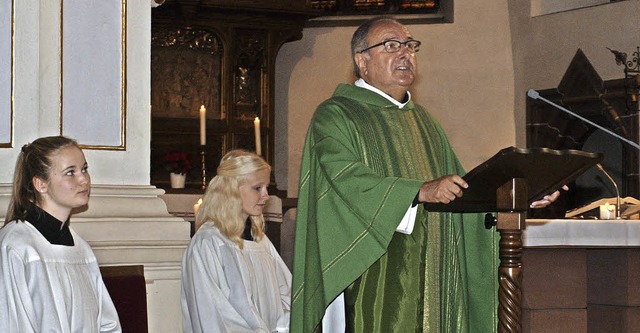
(265, 241)
(208, 234)
(207, 228)
(21, 238)
(17, 232)
(264, 244)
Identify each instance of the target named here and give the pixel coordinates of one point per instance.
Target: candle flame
(196, 207)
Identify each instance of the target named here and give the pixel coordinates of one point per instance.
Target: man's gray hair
(360, 41)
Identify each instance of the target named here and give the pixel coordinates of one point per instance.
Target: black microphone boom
(535, 95)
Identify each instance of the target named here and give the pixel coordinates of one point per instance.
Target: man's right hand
(442, 190)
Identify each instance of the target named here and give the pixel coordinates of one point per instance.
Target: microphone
(535, 95)
(599, 166)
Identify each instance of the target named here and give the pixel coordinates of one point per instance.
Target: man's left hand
(548, 199)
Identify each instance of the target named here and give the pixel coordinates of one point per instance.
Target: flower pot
(177, 180)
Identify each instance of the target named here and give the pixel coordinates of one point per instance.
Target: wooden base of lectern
(512, 196)
(506, 184)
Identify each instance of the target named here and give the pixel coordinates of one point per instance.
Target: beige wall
(474, 73)
(465, 80)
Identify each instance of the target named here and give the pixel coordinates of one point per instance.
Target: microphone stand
(535, 95)
(599, 166)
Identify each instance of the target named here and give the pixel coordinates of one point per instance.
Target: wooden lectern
(506, 184)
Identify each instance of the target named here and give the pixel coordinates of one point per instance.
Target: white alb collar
(362, 84)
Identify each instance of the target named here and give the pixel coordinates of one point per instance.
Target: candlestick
(204, 166)
(203, 126)
(256, 127)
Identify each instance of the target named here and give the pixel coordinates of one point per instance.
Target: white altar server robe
(51, 288)
(228, 289)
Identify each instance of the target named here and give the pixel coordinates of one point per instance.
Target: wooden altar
(580, 276)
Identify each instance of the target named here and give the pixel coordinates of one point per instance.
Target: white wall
(38, 94)
(126, 221)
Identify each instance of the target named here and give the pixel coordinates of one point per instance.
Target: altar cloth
(581, 233)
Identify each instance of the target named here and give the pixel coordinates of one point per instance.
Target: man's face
(392, 73)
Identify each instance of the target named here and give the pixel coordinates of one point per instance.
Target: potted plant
(178, 163)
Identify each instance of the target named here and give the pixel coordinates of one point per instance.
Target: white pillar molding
(126, 223)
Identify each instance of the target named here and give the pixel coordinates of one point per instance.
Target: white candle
(607, 212)
(256, 127)
(196, 207)
(203, 126)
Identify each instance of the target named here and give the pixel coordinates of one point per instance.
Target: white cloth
(226, 289)
(51, 288)
(363, 84)
(334, 319)
(408, 221)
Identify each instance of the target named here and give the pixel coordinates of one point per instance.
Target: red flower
(177, 161)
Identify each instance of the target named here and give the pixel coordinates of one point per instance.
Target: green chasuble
(363, 163)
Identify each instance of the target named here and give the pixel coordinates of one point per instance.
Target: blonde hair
(222, 203)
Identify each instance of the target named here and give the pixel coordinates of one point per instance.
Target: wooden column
(511, 200)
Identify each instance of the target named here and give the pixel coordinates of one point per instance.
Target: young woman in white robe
(233, 279)
(49, 279)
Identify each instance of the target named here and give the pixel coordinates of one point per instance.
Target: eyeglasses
(393, 46)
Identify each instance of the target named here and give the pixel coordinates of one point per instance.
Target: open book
(629, 206)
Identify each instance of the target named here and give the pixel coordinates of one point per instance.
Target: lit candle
(607, 212)
(203, 126)
(256, 127)
(196, 207)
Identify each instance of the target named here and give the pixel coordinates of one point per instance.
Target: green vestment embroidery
(364, 160)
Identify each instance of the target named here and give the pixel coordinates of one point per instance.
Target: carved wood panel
(220, 54)
(186, 72)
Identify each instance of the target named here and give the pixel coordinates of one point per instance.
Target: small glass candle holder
(607, 212)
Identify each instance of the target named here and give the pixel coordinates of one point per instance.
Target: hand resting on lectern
(442, 190)
(447, 188)
(548, 199)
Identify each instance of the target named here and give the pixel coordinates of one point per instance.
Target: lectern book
(545, 171)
